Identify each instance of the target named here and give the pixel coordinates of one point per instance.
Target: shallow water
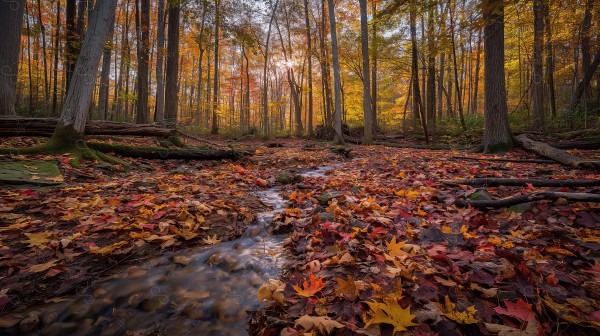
(198, 291)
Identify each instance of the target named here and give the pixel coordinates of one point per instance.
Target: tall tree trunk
(265, 95)
(44, 57)
(549, 58)
(374, 100)
(159, 112)
(418, 110)
(71, 44)
(11, 23)
(247, 93)
(364, 38)
(201, 54)
(56, 49)
(310, 78)
(29, 67)
(584, 83)
(71, 125)
(325, 74)
(459, 103)
(497, 136)
(215, 107)
(585, 48)
(431, 120)
(143, 52)
(440, 88)
(172, 73)
(537, 85)
(337, 83)
(105, 76)
(477, 68)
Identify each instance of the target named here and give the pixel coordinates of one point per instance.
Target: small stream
(199, 291)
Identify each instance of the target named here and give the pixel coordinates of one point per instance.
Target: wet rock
(282, 228)
(288, 178)
(61, 328)
(153, 304)
(521, 208)
(325, 198)
(480, 195)
(29, 323)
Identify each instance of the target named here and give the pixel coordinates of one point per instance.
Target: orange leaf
(310, 287)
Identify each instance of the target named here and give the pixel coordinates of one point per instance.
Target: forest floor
(375, 246)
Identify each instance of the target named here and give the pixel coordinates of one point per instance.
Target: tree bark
(171, 85)
(477, 68)
(537, 85)
(556, 154)
(310, 77)
(16, 126)
(585, 48)
(105, 76)
(215, 106)
(11, 23)
(265, 94)
(56, 44)
(432, 49)
(364, 38)
(549, 58)
(337, 82)
(143, 53)
(508, 182)
(584, 83)
(459, 102)
(418, 111)
(539, 196)
(374, 100)
(71, 125)
(71, 43)
(159, 112)
(44, 57)
(497, 136)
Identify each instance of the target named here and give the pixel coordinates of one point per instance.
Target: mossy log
(16, 126)
(539, 196)
(170, 154)
(496, 182)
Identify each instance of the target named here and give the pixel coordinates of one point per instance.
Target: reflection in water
(199, 291)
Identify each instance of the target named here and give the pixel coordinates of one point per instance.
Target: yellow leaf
(394, 248)
(346, 288)
(560, 251)
(390, 312)
(272, 290)
(37, 239)
(107, 249)
(323, 324)
(42, 267)
(211, 240)
(449, 310)
(407, 193)
(310, 288)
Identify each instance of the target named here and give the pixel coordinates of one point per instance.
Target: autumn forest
(300, 167)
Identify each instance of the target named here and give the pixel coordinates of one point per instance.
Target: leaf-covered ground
(378, 246)
(393, 253)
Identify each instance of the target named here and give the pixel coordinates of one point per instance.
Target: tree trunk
(584, 83)
(200, 57)
(459, 103)
(44, 57)
(537, 85)
(71, 43)
(310, 78)
(215, 107)
(71, 125)
(418, 110)
(374, 99)
(477, 67)
(337, 82)
(265, 79)
(364, 38)
(159, 112)
(105, 76)
(171, 85)
(549, 58)
(11, 22)
(431, 109)
(143, 53)
(585, 48)
(56, 44)
(496, 136)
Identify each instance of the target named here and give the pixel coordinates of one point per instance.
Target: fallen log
(496, 182)
(169, 154)
(15, 126)
(539, 196)
(588, 145)
(505, 160)
(555, 154)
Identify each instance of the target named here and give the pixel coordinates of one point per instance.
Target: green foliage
(452, 131)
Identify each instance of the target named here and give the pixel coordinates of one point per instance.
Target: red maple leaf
(520, 310)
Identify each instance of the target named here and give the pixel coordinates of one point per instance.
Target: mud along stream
(198, 291)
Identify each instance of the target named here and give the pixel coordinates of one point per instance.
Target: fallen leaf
(323, 324)
(310, 287)
(390, 312)
(449, 310)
